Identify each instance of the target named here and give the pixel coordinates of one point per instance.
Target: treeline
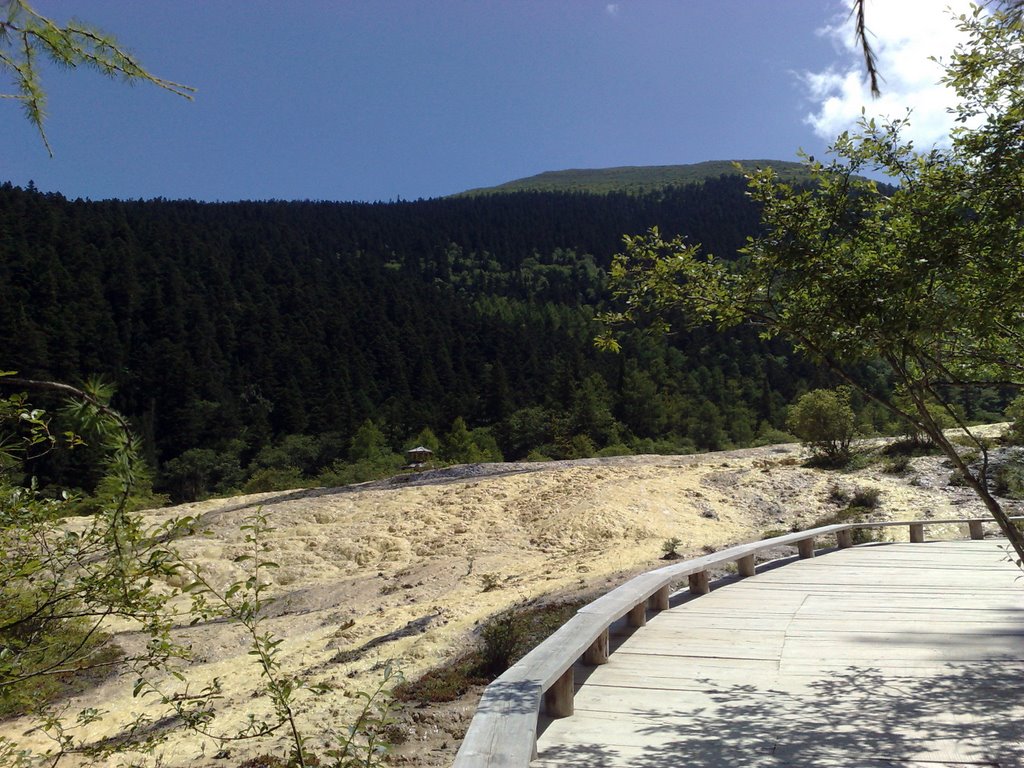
(257, 342)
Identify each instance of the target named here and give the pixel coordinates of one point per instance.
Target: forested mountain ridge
(260, 336)
(638, 179)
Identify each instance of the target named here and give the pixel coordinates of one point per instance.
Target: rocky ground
(406, 569)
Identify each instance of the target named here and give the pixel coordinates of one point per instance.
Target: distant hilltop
(635, 179)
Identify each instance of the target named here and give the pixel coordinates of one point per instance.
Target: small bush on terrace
(866, 498)
(671, 548)
(1014, 413)
(504, 640)
(824, 422)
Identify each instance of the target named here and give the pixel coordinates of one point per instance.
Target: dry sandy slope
(361, 562)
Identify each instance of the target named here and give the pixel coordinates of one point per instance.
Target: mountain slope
(227, 328)
(635, 179)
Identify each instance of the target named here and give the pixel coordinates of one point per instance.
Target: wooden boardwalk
(908, 655)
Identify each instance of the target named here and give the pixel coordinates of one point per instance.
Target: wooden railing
(503, 732)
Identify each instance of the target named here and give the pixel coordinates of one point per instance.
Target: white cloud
(612, 9)
(904, 34)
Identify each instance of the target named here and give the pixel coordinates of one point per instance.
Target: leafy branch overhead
(925, 278)
(26, 37)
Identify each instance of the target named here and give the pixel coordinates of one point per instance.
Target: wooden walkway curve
(908, 655)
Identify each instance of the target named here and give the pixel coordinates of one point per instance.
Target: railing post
(505, 724)
(659, 600)
(746, 565)
(558, 698)
(917, 533)
(597, 653)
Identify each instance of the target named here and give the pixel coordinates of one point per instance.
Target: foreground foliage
(927, 278)
(64, 578)
(27, 36)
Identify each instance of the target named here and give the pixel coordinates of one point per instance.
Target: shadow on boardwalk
(964, 714)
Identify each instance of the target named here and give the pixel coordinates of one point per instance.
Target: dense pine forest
(260, 344)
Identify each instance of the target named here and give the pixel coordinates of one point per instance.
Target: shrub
(944, 416)
(896, 465)
(579, 447)
(769, 435)
(503, 641)
(273, 479)
(63, 640)
(850, 514)
(866, 498)
(618, 449)
(671, 548)
(501, 637)
(490, 581)
(444, 683)
(824, 422)
(341, 473)
(1009, 479)
(838, 495)
(957, 479)
(1015, 414)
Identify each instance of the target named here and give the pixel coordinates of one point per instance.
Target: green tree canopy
(927, 277)
(824, 421)
(369, 443)
(457, 446)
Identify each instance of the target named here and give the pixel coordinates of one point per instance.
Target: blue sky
(379, 100)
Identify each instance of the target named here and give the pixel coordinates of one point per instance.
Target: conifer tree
(27, 36)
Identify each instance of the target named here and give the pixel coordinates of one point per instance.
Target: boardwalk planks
(906, 662)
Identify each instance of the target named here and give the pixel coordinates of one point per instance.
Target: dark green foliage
(856, 506)
(458, 447)
(427, 439)
(46, 643)
(200, 472)
(838, 495)
(266, 761)
(501, 638)
(824, 422)
(446, 683)
(866, 498)
(1009, 477)
(862, 497)
(273, 479)
(504, 640)
(248, 342)
(1015, 415)
(341, 473)
(896, 465)
(671, 548)
(910, 447)
(369, 444)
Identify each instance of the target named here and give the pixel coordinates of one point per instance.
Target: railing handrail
(503, 731)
